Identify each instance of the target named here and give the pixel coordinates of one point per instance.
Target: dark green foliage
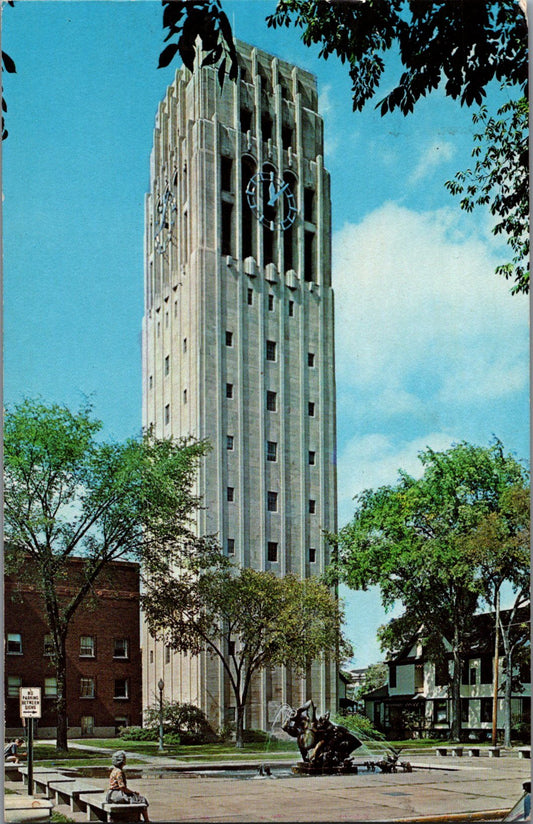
(187, 721)
(500, 180)
(138, 734)
(188, 20)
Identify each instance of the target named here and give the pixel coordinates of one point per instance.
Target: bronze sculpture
(324, 746)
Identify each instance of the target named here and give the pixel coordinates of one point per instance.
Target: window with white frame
(50, 687)
(120, 648)
(86, 687)
(14, 643)
(121, 688)
(14, 683)
(87, 646)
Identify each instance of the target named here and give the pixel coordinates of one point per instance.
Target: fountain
(326, 747)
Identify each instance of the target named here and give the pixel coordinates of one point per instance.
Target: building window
(150, 382)
(167, 654)
(184, 345)
(167, 365)
(312, 554)
(121, 688)
(291, 308)
(120, 648)
(271, 303)
(230, 545)
(87, 646)
(272, 451)
(272, 551)
(14, 683)
(229, 441)
(465, 710)
(440, 711)
(167, 413)
(392, 676)
(312, 458)
(50, 687)
(184, 396)
(227, 233)
(229, 338)
(48, 644)
(486, 670)
(272, 501)
(311, 409)
(229, 390)
(158, 329)
(286, 136)
(166, 320)
(312, 506)
(266, 126)
(309, 205)
(86, 687)
(310, 358)
(442, 675)
(14, 643)
(230, 493)
(246, 120)
(226, 169)
(309, 256)
(419, 677)
(486, 710)
(271, 350)
(271, 401)
(231, 647)
(151, 656)
(473, 676)
(87, 725)
(250, 297)
(175, 308)
(121, 721)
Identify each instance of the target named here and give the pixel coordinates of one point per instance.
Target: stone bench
(494, 752)
(18, 808)
(457, 752)
(41, 777)
(473, 752)
(524, 752)
(441, 750)
(68, 792)
(11, 771)
(99, 810)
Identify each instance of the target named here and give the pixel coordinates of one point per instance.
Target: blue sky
(431, 347)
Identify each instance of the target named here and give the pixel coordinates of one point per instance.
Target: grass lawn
(196, 752)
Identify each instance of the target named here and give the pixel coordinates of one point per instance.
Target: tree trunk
(61, 701)
(507, 718)
(239, 737)
(455, 729)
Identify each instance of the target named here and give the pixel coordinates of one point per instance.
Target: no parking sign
(30, 702)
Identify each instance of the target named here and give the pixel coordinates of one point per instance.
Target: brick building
(103, 653)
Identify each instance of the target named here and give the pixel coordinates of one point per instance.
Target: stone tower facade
(238, 340)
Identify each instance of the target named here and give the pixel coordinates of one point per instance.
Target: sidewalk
(439, 787)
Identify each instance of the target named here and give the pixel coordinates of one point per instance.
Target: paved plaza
(438, 787)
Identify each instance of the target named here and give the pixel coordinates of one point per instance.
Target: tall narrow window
(271, 350)
(291, 308)
(229, 338)
(309, 205)
(184, 345)
(121, 688)
(184, 396)
(230, 493)
(266, 126)
(286, 136)
(272, 451)
(250, 297)
(230, 544)
(312, 506)
(312, 458)
(271, 401)
(48, 644)
(246, 120)
(229, 390)
(272, 551)
(312, 554)
(309, 256)
(248, 170)
(310, 358)
(167, 413)
(87, 646)
(167, 365)
(271, 303)
(229, 442)
(226, 174)
(227, 220)
(311, 409)
(272, 501)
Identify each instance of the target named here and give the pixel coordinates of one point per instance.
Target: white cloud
(438, 152)
(418, 303)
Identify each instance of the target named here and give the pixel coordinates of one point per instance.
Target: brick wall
(110, 617)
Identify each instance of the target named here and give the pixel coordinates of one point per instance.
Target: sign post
(30, 708)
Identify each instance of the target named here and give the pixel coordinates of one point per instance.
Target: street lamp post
(161, 686)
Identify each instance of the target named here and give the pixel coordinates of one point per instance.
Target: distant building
(103, 654)
(415, 701)
(238, 342)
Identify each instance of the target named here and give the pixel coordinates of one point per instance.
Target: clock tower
(238, 341)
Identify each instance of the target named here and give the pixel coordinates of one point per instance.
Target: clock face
(165, 219)
(271, 200)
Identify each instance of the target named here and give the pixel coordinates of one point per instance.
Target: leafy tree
(68, 494)
(408, 539)
(248, 619)
(498, 548)
(375, 676)
(500, 179)
(186, 720)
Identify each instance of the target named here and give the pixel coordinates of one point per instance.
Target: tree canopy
(409, 540)
(250, 620)
(67, 493)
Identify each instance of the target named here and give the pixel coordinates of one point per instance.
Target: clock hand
(274, 197)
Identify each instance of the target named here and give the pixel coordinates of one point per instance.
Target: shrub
(360, 725)
(256, 737)
(185, 720)
(138, 734)
(172, 739)
(226, 732)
